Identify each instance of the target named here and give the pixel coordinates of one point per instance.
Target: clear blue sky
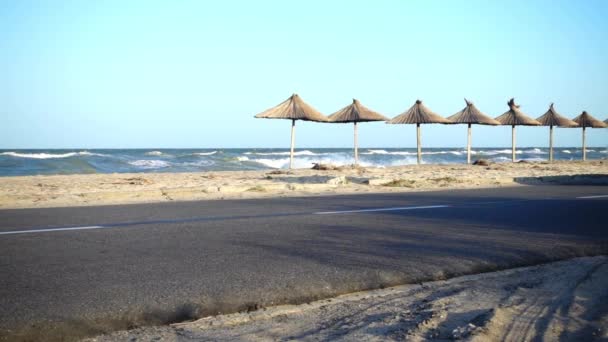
(122, 74)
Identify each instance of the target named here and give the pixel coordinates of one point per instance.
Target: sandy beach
(107, 189)
(563, 300)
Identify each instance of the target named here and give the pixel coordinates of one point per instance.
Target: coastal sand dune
(564, 300)
(103, 189)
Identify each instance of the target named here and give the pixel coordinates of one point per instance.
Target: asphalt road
(72, 272)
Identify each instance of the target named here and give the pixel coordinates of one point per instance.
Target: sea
(79, 161)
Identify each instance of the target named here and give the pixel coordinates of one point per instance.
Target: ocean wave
(535, 151)
(393, 153)
(298, 153)
(205, 162)
(307, 163)
(50, 155)
(377, 152)
(154, 153)
(406, 153)
(299, 163)
(204, 153)
(566, 151)
(430, 153)
(496, 152)
(272, 163)
(150, 164)
(241, 158)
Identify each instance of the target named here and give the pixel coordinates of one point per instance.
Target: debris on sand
(325, 167)
(481, 162)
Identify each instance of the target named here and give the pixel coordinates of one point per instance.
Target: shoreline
(19, 192)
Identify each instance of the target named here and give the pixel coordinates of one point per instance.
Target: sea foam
(204, 153)
(50, 155)
(298, 153)
(150, 164)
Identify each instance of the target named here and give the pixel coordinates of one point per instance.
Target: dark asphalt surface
(158, 263)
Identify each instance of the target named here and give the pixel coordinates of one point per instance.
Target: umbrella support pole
(513, 143)
(356, 146)
(293, 138)
(551, 143)
(469, 144)
(584, 146)
(418, 143)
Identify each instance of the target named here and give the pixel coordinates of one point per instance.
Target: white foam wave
(242, 158)
(566, 151)
(406, 153)
(535, 151)
(150, 164)
(501, 159)
(376, 152)
(496, 152)
(298, 153)
(205, 153)
(394, 153)
(50, 155)
(154, 153)
(205, 162)
(273, 163)
(304, 162)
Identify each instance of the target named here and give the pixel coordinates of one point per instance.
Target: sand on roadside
(106, 189)
(565, 300)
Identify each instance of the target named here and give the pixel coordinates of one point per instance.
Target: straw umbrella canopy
(418, 114)
(356, 112)
(294, 108)
(515, 117)
(471, 115)
(586, 120)
(553, 118)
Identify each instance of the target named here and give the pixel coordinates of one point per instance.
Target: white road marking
(50, 230)
(379, 209)
(314, 213)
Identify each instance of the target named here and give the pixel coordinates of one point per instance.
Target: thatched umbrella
(515, 117)
(293, 109)
(586, 120)
(553, 118)
(471, 115)
(356, 112)
(418, 114)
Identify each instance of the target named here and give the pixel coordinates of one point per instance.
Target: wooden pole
(513, 143)
(551, 143)
(418, 143)
(469, 145)
(293, 139)
(356, 147)
(584, 146)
